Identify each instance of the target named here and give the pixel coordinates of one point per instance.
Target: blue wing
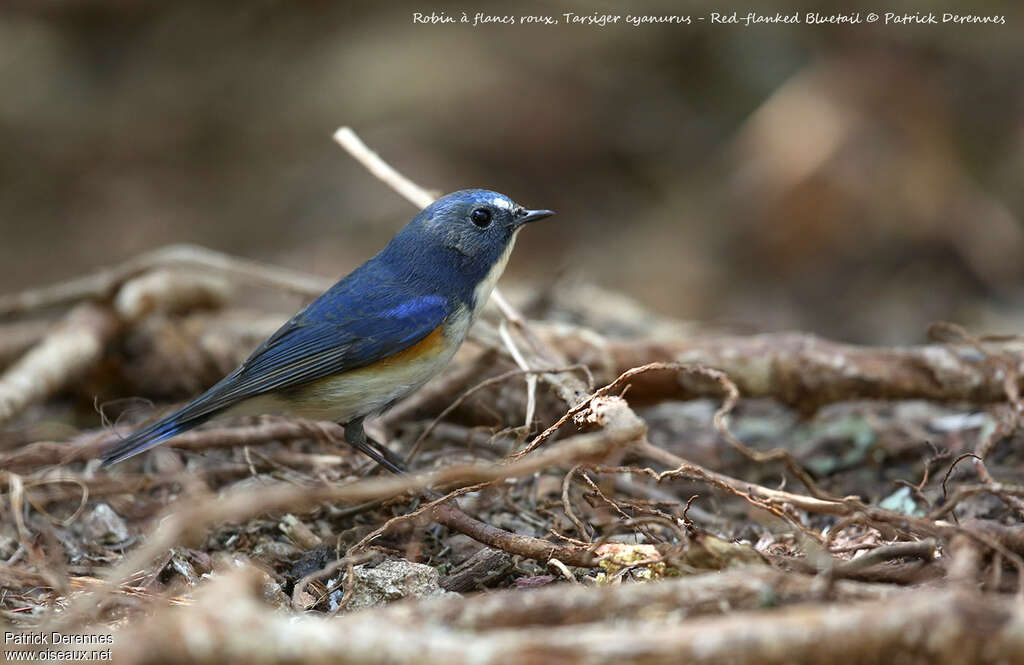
(330, 337)
(359, 321)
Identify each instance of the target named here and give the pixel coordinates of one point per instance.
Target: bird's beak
(527, 216)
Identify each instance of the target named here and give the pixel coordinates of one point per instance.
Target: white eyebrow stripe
(498, 202)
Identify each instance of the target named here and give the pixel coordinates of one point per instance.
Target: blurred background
(854, 181)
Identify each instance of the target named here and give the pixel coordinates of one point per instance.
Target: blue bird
(375, 336)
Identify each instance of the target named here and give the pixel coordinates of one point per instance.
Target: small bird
(374, 337)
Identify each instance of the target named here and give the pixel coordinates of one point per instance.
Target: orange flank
(369, 389)
(428, 346)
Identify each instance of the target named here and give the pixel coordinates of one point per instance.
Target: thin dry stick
(64, 478)
(583, 405)
(721, 426)
(766, 498)
(359, 151)
(71, 348)
(531, 379)
(920, 549)
(681, 467)
(398, 519)
(350, 559)
(1004, 426)
(563, 569)
(468, 393)
(567, 504)
(103, 283)
(17, 492)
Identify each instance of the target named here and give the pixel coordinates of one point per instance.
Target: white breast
(483, 290)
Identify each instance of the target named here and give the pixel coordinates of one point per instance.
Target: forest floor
(589, 483)
(645, 490)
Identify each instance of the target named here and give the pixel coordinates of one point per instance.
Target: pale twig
(583, 405)
(567, 504)
(104, 283)
(563, 569)
(71, 348)
(359, 151)
(507, 310)
(531, 379)
(468, 393)
(17, 492)
(171, 290)
(65, 478)
(399, 519)
(18, 337)
(351, 558)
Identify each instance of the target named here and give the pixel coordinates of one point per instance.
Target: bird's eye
(481, 217)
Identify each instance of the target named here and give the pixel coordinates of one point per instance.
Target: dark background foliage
(855, 181)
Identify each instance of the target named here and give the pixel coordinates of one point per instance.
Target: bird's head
(466, 235)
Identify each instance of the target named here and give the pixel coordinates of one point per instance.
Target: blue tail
(151, 436)
(197, 412)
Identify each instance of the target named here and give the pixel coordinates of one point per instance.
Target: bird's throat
(483, 289)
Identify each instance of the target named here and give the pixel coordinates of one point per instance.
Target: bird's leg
(356, 437)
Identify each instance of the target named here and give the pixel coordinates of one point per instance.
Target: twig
(350, 559)
(68, 350)
(407, 517)
(468, 393)
(18, 337)
(104, 283)
(721, 426)
(169, 289)
(555, 563)
(585, 404)
(919, 549)
(567, 504)
(513, 543)
(359, 151)
(531, 379)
